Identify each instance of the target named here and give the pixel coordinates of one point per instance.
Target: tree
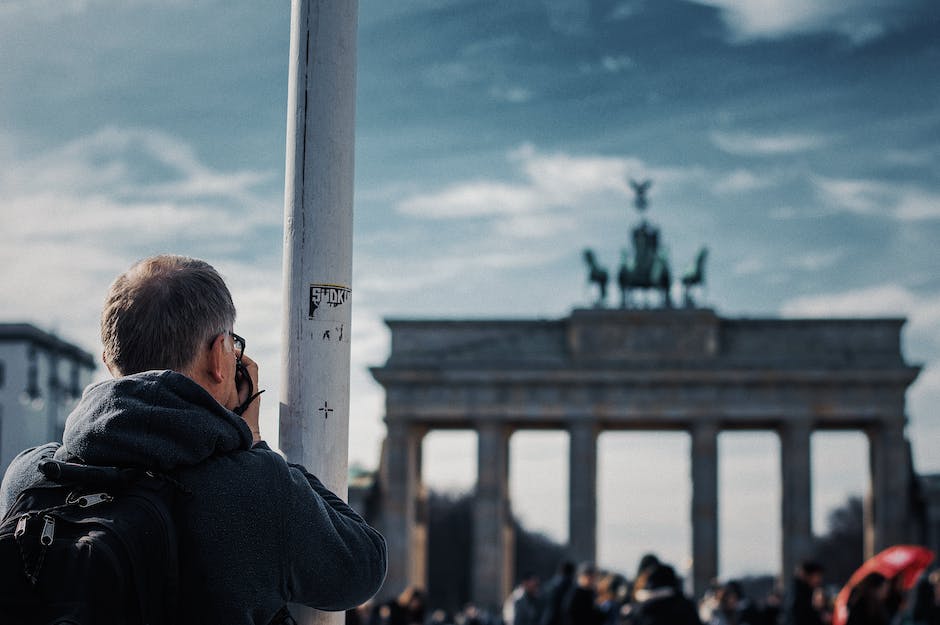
(840, 549)
(450, 551)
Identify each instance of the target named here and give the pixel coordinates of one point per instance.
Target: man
(524, 605)
(659, 599)
(580, 603)
(798, 607)
(256, 532)
(555, 592)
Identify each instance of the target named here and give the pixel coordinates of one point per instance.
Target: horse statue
(649, 267)
(694, 276)
(596, 275)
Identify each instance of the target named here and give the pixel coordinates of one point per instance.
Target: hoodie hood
(156, 419)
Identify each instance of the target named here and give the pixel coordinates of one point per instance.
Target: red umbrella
(906, 561)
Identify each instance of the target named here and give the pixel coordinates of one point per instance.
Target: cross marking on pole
(326, 410)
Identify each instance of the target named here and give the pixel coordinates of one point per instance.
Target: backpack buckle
(86, 501)
(48, 530)
(21, 526)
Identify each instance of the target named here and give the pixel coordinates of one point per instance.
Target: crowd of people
(584, 595)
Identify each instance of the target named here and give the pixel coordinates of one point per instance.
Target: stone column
(582, 491)
(493, 539)
(796, 505)
(704, 505)
(403, 522)
(888, 501)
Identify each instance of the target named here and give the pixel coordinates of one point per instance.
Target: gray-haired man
(257, 532)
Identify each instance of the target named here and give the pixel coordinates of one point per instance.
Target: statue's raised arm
(640, 189)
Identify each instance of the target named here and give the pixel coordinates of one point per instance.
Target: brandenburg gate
(627, 369)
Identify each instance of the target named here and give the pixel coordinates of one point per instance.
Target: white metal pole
(318, 202)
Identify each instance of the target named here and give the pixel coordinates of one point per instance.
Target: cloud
(809, 260)
(81, 212)
(54, 9)
(451, 75)
(742, 181)
(746, 144)
(879, 199)
(472, 199)
(616, 64)
(551, 181)
(748, 266)
(858, 20)
(815, 260)
(568, 17)
(626, 9)
(875, 301)
(125, 162)
(512, 94)
(401, 276)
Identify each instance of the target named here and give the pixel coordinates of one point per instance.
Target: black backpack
(90, 546)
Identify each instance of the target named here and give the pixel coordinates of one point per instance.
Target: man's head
(161, 313)
(587, 574)
(530, 583)
(173, 312)
(811, 572)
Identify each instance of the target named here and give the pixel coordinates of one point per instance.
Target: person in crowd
(647, 563)
(660, 601)
(611, 592)
(556, 589)
(798, 606)
(772, 608)
(525, 603)
(867, 601)
(896, 601)
(924, 605)
(439, 617)
(823, 604)
(580, 605)
(471, 615)
(256, 532)
(708, 604)
(408, 608)
(733, 607)
(359, 615)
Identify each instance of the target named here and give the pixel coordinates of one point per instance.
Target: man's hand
(253, 411)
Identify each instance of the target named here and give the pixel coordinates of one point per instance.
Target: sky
(799, 140)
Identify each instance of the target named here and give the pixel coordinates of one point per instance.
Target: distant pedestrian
(611, 592)
(647, 563)
(556, 589)
(580, 606)
(660, 601)
(733, 607)
(527, 604)
(866, 603)
(408, 608)
(924, 601)
(798, 606)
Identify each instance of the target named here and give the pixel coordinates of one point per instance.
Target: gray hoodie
(256, 533)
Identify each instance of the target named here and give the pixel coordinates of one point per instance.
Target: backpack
(90, 546)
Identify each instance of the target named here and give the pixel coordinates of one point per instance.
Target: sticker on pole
(327, 300)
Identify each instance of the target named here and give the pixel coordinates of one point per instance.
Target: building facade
(41, 379)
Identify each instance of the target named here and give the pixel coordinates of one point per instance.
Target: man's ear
(218, 361)
(114, 372)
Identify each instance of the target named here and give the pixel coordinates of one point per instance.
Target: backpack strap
(109, 478)
(89, 475)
